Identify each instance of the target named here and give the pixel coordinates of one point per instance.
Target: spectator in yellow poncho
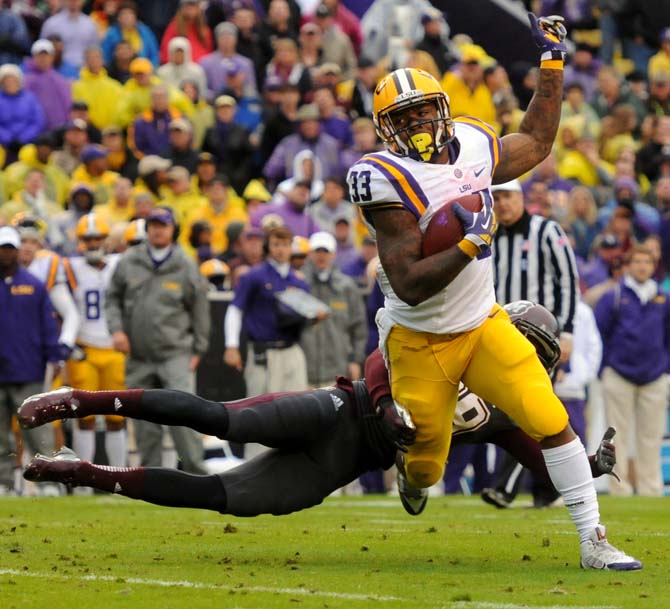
(468, 94)
(137, 97)
(217, 212)
(102, 94)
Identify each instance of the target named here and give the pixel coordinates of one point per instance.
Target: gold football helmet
(400, 90)
(136, 232)
(30, 226)
(92, 225)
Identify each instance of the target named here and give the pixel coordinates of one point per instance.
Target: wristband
(551, 64)
(468, 248)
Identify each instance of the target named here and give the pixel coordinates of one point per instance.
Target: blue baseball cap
(161, 214)
(93, 152)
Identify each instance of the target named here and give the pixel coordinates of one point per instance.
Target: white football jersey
(384, 179)
(90, 295)
(48, 268)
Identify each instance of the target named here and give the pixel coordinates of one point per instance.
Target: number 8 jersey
(90, 294)
(383, 180)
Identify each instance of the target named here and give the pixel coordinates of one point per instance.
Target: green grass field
(105, 552)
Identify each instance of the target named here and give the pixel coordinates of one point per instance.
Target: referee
(532, 260)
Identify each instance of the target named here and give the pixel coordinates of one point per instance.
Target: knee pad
(422, 474)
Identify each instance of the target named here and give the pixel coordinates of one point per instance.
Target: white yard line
(202, 585)
(485, 605)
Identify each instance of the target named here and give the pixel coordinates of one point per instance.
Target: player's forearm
(377, 377)
(67, 309)
(417, 281)
(540, 122)
(522, 151)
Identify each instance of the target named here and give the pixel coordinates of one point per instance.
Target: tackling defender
(323, 439)
(440, 323)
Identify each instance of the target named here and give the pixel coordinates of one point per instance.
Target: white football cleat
(597, 553)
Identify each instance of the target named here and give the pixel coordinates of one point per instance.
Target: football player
(53, 271)
(323, 439)
(99, 366)
(440, 323)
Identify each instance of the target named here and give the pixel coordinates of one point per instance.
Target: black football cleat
(43, 408)
(496, 498)
(62, 467)
(413, 499)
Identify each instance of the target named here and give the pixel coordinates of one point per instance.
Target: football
(445, 229)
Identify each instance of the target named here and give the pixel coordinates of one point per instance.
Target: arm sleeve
(593, 345)
(114, 300)
(274, 167)
(49, 330)
(67, 309)
(586, 354)
(376, 377)
(358, 327)
(232, 326)
(605, 315)
(562, 260)
(32, 124)
(375, 182)
(108, 43)
(200, 314)
(150, 46)
(243, 292)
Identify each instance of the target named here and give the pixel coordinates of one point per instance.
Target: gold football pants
(495, 361)
(102, 369)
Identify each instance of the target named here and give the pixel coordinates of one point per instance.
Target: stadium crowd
(228, 127)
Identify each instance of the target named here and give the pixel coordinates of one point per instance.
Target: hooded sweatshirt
(21, 116)
(174, 75)
(52, 90)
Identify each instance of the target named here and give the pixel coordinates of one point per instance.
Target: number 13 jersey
(90, 294)
(383, 180)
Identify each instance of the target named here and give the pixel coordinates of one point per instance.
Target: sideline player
(323, 439)
(440, 323)
(53, 271)
(101, 367)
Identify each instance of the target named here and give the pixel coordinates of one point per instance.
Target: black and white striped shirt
(533, 260)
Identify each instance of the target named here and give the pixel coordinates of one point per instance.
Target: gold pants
(495, 361)
(103, 369)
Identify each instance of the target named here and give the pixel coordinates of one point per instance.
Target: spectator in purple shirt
(53, 91)
(365, 141)
(149, 133)
(662, 199)
(21, 116)
(14, 37)
(217, 64)
(275, 361)
(583, 68)
(289, 209)
(77, 30)
(347, 252)
(333, 120)
(309, 136)
(634, 322)
(29, 340)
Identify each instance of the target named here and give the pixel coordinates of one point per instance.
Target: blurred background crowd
(218, 123)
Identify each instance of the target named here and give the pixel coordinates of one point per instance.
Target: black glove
(396, 425)
(606, 454)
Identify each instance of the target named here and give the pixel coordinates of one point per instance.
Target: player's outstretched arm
(413, 278)
(524, 150)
